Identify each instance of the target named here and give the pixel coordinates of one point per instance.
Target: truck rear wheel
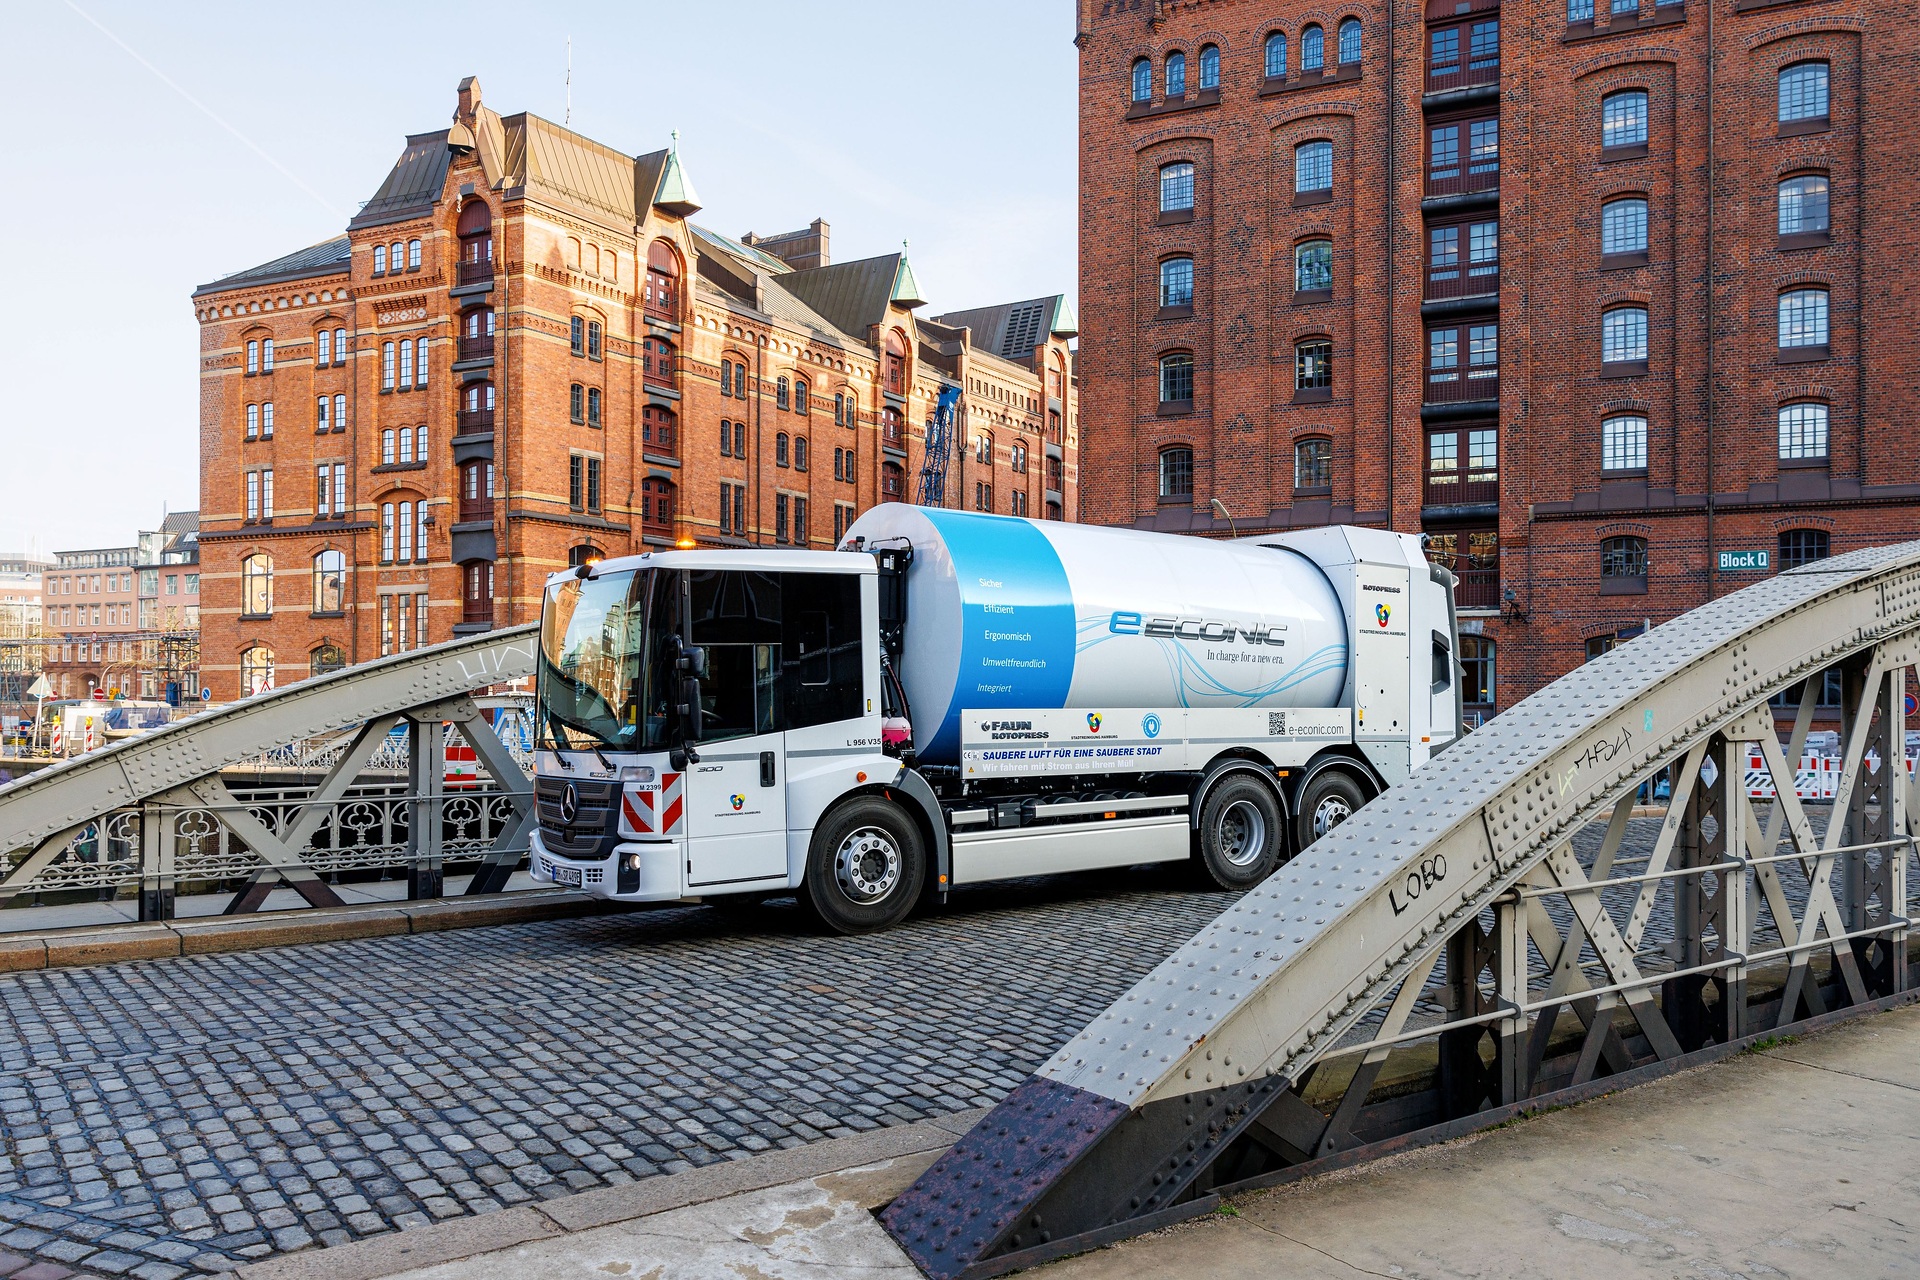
(1329, 800)
(865, 867)
(1242, 835)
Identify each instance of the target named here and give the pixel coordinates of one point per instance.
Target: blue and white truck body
(954, 698)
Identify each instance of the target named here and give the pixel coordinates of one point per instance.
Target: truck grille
(596, 817)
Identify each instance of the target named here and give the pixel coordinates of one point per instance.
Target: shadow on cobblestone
(188, 1115)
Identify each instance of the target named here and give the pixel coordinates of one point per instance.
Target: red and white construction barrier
(1817, 777)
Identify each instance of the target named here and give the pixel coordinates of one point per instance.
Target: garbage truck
(951, 698)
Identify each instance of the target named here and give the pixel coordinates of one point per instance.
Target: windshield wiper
(603, 758)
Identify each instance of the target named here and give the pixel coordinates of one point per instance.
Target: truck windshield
(593, 677)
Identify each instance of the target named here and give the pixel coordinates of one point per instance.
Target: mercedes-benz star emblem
(569, 803)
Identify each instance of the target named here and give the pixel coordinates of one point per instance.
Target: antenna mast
(569, 119)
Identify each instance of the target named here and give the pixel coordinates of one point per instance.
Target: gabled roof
(745, 274)
(1012, 330)
(327, 258)
(853, 296)
(412, 185)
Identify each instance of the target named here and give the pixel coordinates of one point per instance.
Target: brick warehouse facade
(523, 354)
(1447, 270)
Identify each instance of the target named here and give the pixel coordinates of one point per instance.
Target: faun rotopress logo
(738, 801)
(1383, 611)
(1093, 721)
(1150, 725)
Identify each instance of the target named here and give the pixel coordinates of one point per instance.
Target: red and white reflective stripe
(462, 766)
(89, 739)
(53, 738)
(653, 810)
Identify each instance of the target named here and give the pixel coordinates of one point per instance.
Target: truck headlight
(632, 860)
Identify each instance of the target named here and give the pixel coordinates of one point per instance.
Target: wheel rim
(867, 865)
(1242, 833)
(1330, 813)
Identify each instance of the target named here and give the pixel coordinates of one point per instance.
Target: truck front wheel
(1242, 836)
(1329, 800)
(865, 867)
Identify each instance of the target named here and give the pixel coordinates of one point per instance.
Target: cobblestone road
(187, 1115)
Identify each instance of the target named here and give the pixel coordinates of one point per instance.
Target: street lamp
(1221, 507)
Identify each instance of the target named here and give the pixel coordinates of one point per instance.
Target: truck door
(736, 793)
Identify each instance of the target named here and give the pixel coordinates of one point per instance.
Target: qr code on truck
(1276, 724)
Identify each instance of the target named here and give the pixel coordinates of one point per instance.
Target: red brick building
(1448, 270)
(522, 354)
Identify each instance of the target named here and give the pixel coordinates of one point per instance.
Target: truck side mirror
(691, 715)
(694, 661)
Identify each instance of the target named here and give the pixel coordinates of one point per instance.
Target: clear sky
(948, 123)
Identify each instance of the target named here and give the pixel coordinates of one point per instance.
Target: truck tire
(865, 867)
(1242, 835)
(1330, 798)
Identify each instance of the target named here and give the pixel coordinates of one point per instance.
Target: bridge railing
(405, 766)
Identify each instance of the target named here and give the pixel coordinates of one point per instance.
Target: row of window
(1624, 562)
(584, 338)
(583, 405)
(1313, 50)
(403, 444)
(80, 584)
(329, 413)
(398, 368)
(396, 257)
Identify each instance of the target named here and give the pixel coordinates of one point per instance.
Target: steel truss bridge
(1471, 945)
(1450, 958)
(286, 789)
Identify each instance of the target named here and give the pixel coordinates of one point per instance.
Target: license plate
(566, 875)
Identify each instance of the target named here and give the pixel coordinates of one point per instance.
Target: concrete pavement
(1799, 1160)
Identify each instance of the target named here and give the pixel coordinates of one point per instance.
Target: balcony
(656, 508)
(1463, 466)
(476, 348)
(1459, 180)
(893, 482)
(1471, 279)
(1478, 589)
(476, 510)
(1441, 10)
(1450, 386)
(893, 431)
(477, 612)
(476, 272)
(473, 421)
(659, 366)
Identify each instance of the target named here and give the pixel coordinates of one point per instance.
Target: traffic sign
(40, 688)
(206, 695)
(1757, 560)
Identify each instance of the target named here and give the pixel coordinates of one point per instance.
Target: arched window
(1350, 42)
(663, 280)
(256, 585)
(1803, 546)
(323, 347)
(1623, 336)
(1277, 56)
(1209, 67)
(1623, 119)
(379, 259)
(1803, 319)
(1142, 80)
(983, 449)
(475, 230)
(1176, 187)
(1313, 465)
(802, 396)
(1623, 443)
(1313, 166)
(1803, 95)
(1176, 75)
(399, 255)
(896, 362)
(1176, 472)
(780, 446)
(1803, 206)
(658, 434)
(799, 453)
(330, 582)
(1313, 48)
(657, 356)
(1623, 563)
(1313, 266)
(1017, 457)
(1803, 432)
(656, 505)
(326, 658)
(1176, 282)
(1176, 380)
(893, 480)
(585, 553)
(1313, 368)
(1623, 226)
(476, 591)
(256, 670)
(406, 363)
(413, 255)
(1477, 658)
(387, 366)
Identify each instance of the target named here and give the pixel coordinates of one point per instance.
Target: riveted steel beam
(1212, 1071)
